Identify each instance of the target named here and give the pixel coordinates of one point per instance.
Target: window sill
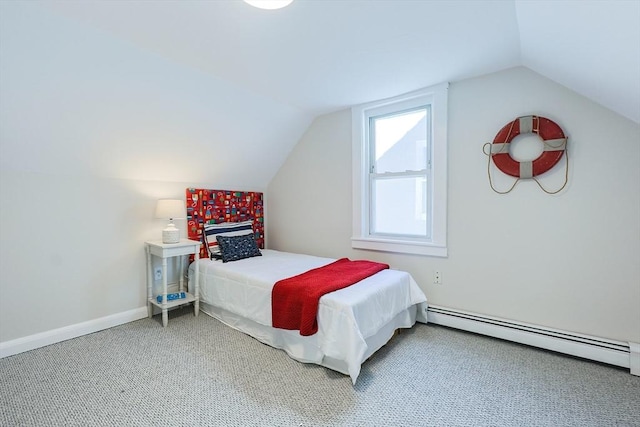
(399, 246)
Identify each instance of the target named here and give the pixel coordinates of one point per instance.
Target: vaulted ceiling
(320, 56)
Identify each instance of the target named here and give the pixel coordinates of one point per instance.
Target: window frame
(435, 245)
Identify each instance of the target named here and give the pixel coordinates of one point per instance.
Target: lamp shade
(170, 209)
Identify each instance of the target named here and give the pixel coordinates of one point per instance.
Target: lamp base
(171, 234)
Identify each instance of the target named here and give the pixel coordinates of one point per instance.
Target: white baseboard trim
(19, 345)
(618, 353)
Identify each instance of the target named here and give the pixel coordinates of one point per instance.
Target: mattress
(349, 320)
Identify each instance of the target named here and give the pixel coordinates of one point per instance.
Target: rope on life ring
(555, 145)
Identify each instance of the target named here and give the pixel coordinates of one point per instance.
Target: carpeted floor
(199, 372)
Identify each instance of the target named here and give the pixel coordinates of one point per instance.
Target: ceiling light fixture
(269, 4)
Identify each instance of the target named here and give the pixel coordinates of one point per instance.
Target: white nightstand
(182, 249)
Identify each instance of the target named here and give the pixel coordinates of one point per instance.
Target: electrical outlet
(437, 277)
(158, 273)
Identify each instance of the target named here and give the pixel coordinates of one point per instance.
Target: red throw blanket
(294, 301)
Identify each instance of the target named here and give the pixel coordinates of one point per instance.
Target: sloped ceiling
(592, 47)
(321, 56)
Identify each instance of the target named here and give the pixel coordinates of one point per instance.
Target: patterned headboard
(214, 206)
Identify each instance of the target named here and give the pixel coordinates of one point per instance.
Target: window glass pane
(400, 141)
(400, 206)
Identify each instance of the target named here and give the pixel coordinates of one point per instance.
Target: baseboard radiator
(616, 353)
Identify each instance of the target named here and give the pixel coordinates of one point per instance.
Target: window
(400, 173)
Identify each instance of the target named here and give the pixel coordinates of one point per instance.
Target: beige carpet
(199, 372)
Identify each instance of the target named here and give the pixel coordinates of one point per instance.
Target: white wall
(92, 131)
(71, 248)
(569, 261)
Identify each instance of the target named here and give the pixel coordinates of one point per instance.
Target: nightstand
(164, 251)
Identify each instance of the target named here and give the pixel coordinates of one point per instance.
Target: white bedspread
(346, 318)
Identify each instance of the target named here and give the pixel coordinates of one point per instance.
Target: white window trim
(437, 246)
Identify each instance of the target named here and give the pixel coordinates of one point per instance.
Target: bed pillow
(233, 248)
(211, 231)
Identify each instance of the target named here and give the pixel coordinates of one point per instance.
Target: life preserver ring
(553, 137)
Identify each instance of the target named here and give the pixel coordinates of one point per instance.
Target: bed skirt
(307, 349)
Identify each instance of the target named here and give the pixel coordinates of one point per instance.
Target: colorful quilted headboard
(215, 206)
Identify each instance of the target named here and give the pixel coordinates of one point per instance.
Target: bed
(353, 322)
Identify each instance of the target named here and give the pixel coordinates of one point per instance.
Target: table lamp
(170, 209)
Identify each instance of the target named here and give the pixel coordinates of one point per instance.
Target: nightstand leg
(149, 283)
(196, 281)
(181, 270)
(165, 315)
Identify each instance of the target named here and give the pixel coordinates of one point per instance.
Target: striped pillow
(211, 231)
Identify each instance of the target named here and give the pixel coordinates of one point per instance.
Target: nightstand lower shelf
(189, 298)
(174, 303)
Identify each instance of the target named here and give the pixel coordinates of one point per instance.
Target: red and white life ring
(553, 137)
